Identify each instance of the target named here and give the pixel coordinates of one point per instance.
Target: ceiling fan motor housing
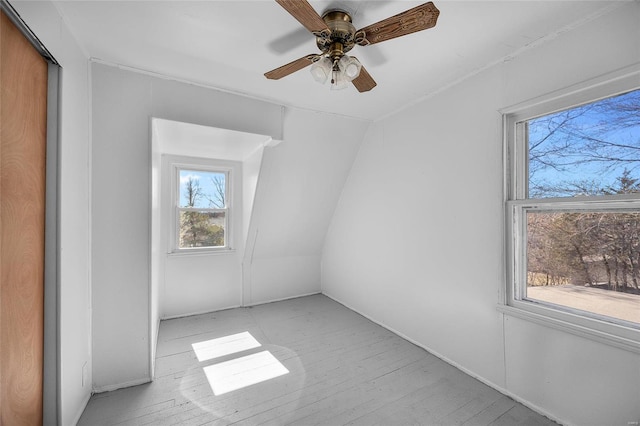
(341, 39)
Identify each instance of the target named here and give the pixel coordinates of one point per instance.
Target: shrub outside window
(202, 208)
(573, 211)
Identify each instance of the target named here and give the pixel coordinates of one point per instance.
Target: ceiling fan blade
(307, 16)
(417, 19)
(288, 42)
(364, 82)
(290, 68)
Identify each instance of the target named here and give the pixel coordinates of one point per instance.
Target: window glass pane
(587, 260)
(202, 229)
(593, 149)
(202, 189)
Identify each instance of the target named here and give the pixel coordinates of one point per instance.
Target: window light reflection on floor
(242, 372)
(226, 345)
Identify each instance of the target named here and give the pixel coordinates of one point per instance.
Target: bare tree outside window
(218, 195)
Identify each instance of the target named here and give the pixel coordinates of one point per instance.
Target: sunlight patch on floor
(226, 345)
(242, 372)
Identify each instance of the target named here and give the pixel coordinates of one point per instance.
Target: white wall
(300, 182)
(416, 240)
(74, 237)
(250, 174)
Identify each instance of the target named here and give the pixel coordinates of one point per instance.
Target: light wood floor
(342, 369)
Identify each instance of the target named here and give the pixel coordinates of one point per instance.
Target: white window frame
(174, 239)
(619, 333)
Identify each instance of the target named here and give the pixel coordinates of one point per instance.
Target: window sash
(227, 183)
(608, 330)
(518, 216)
(200, 210)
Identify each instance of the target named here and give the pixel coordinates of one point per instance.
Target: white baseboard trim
(210, 311)
(283, 299)
(83, 407)
(489, 383)
(154, 349)
(109, 388)
(191, 314)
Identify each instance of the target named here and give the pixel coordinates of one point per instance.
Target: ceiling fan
(336, 35)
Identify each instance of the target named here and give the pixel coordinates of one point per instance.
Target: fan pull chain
(334, 72)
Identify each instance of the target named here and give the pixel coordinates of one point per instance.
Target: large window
(201, 208)
(573, 210)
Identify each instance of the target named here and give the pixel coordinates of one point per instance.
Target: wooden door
(23, 114)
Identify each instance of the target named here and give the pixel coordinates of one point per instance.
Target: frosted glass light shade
(321, 70)
(350, 67)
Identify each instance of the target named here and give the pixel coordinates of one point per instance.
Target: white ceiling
(230, 44)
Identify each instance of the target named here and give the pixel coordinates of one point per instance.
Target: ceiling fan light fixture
(350, 67)
(321, 70)
(336, 35)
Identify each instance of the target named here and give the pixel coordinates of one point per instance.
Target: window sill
(201, 252)
(619, 336)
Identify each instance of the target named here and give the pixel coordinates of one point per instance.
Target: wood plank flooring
(342, 369)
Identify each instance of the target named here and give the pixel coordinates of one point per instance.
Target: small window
(202, 209)
(574, 211)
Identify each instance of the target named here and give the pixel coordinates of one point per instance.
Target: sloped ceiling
(230, 44)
